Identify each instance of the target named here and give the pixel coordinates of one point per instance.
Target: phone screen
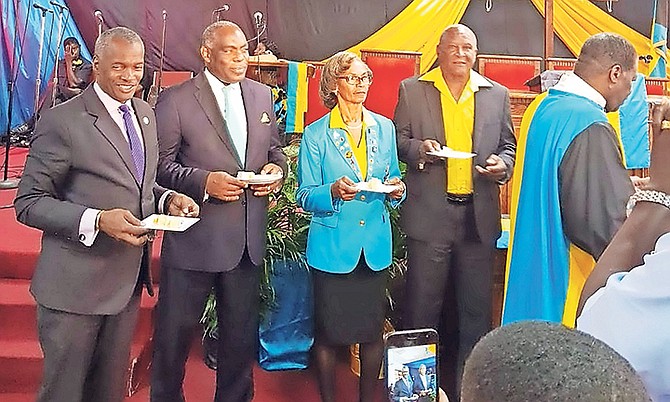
(411, 370)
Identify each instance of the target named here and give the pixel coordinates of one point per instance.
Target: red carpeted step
(20, 354)
(17, 309)
(20, 365)
(17, 397)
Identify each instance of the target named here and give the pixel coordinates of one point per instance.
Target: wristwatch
(657, 197)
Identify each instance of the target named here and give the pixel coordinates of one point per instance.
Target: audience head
(422, 369)
(118, 62)
(457, 52)
(608, 62)
(540, 361)
(71, 45)
(225, 51)
(345, 78)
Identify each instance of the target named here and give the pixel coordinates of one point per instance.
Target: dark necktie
(135, 143)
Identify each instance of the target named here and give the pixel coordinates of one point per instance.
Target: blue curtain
(22, 52)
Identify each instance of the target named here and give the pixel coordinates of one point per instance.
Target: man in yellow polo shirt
(452, 214)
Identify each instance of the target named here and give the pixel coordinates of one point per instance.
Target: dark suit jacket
(400, 389)
(418, 116)
(193, 142)
(418, 385)
(79, 159)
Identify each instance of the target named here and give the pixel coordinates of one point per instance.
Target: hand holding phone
(411, 362)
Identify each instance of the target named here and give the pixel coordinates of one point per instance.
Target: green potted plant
(286, 241)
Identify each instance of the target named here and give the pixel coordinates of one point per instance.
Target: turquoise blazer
(340, 230)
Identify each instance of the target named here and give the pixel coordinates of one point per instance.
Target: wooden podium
(271, 73)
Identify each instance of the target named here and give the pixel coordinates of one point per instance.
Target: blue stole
(539, 253)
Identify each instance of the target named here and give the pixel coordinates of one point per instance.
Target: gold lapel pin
(265, 118)
(348, 154)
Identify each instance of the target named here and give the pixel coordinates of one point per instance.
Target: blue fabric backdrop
(14, 12)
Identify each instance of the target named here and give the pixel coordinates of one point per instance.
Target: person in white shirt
(89, 180)
(626, 300)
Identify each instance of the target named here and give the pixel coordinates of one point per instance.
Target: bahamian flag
(545, 272)
(296, 91)
(631, 123)
(659, 35)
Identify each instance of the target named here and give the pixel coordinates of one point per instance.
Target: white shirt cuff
(161, 201)
(87, 230)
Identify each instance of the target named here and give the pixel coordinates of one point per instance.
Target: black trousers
(85, 356)
(181, 300)
(448, 288)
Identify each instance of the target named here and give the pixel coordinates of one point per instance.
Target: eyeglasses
(365, 79)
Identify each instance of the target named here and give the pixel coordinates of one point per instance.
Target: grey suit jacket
(193, 142)
(418, 116)
(79, 159)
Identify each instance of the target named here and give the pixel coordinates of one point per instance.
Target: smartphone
(411, 364)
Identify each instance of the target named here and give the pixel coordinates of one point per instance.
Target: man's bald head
(458, 29)
(456, 54)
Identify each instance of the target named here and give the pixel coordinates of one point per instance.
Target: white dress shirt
(87, 228)
(236, 103)
(631, 314)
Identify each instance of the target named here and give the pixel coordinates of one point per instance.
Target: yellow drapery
(576, 20)
(417, 28)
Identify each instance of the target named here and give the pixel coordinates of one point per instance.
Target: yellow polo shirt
(360, 149)
(458, 117)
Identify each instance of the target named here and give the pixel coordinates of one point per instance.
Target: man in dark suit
(423, 384)
(89, 178)
(210, 128)
(452, 213)
(403, 388)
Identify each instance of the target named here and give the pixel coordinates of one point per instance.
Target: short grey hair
(209, 34)
(603, 50)
(335, 67)
(106, 38)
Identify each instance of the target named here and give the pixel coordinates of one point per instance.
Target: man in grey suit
(452, 213)
(89, 178)
(211, 127)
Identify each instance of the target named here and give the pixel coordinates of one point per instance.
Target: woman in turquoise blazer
(347, 159)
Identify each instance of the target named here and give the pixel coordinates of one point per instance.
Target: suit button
(82, 237)
(362, 198)
(244, 202)
(362, 223)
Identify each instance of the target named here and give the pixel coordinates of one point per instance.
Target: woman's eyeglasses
(351, 79)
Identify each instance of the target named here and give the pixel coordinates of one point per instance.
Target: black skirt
(350, 308)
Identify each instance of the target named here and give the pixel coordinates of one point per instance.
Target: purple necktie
(135, 143)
